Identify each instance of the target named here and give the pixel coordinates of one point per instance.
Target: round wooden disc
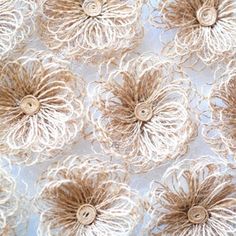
(92, 7)
(30, 105)
(143, 111)
(207, 16)
(198, 215)
(86, 214)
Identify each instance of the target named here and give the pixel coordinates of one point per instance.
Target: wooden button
(30, 105)
(86, 214)
(207, 16)
(143, 111)
(92, 7)
(198, 215)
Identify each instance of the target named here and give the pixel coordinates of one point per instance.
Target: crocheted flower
(16, 23)
(206, 28)
(90, 28)
(85, 196)
(220, 132)
(39, 110)
(194, 197)
(12, 212)
(141, 112)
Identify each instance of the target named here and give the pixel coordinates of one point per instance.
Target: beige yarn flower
(90, 28)
(194, 197)
(141, 112)
(206, 28)
(39, 110)
(220, 132)
(12, 212)
(84, 196)
(15, 23)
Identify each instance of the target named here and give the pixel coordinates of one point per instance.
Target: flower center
(30, 105)
(207, 16)
(92, 7)
(143, 111)
(198, 215)
(86, 214)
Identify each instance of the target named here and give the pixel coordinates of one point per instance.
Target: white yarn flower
(85, 196)
(220, 131)
(194, 197)
(204, 28)
(90, 28)
(12, 212)
(141, 111)
(39, 110)
(15, 24)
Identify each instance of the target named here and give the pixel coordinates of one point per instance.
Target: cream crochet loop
(220, 131)
(12, 206)
(16, 23)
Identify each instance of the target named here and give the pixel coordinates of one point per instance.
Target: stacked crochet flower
(205, 28)
(86, 196)
(90, 28)
(39, 109)
(194, 197)
(141, 112)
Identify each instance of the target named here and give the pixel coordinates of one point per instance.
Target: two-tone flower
(205, 28)
(40, 109)
(85, 196)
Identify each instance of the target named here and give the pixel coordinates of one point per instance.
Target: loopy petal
(220, 131)
(15, 24)
(12, 208)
